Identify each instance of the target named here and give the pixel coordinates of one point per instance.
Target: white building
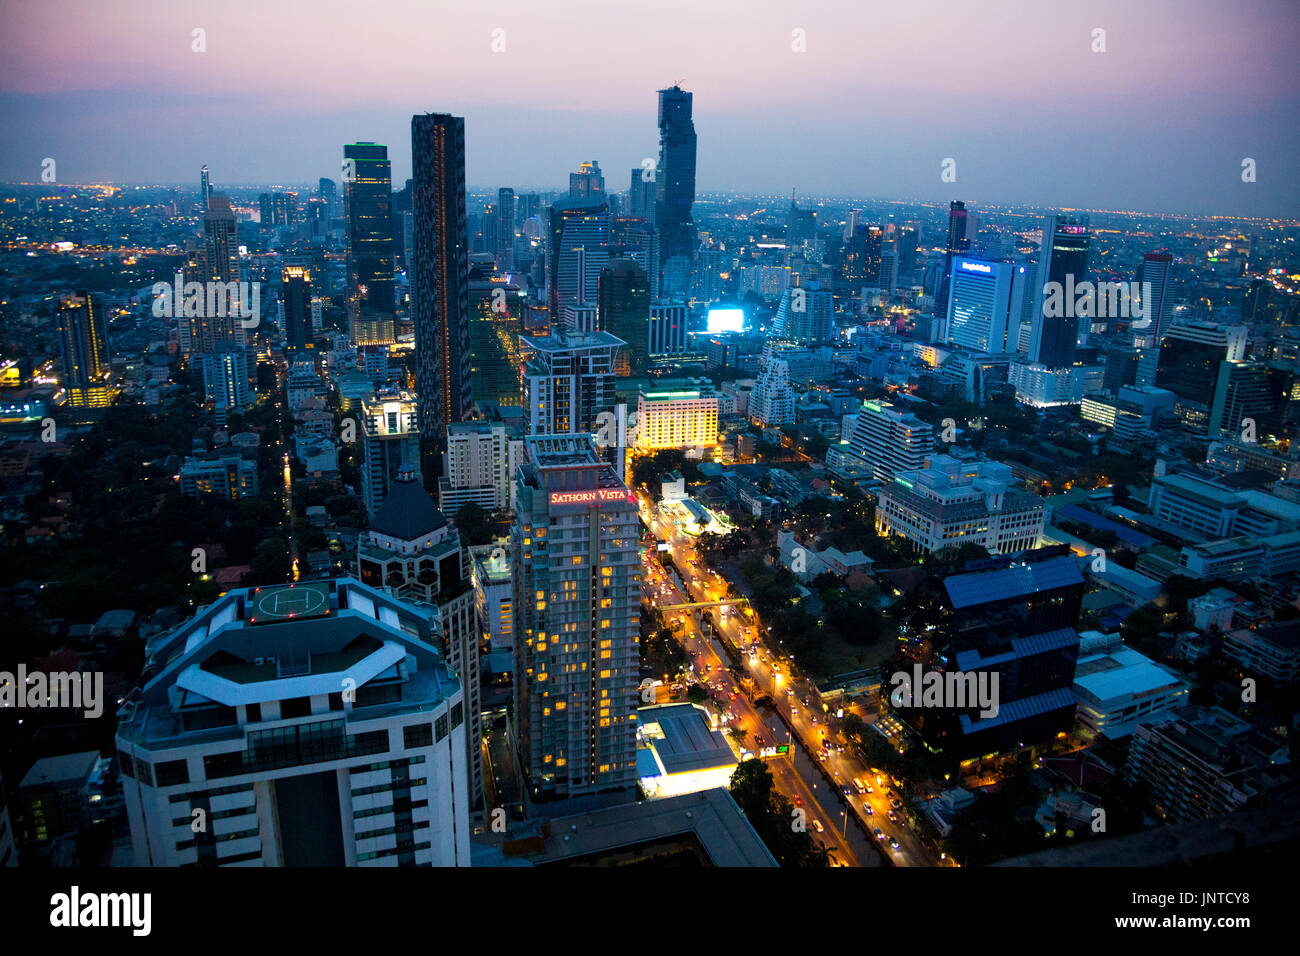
(1117, 688)
(478, 466)
(773, 398)
(952, 503)
(298, 725)
(390, 439)
(888, 441)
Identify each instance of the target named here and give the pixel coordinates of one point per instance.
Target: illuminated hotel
(576, 557)
(680, 418)
(84, 341)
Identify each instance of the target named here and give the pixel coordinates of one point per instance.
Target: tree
(476, 525)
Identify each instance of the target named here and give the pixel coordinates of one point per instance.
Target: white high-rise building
(806, 314)
(312, 724)
(478, 466)
(985, 304)
(772, 400)
(888, 441)
(569, 381)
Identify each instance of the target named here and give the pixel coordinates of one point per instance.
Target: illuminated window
(604, 675)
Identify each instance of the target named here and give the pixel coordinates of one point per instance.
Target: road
(772, 678)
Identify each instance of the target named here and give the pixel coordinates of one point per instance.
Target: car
(846, 790)
(870, 790)
(878, 833)
(892, 818)
(893, 843)
(798, 800)
(818, 825)
(866, 808)
(758, 739)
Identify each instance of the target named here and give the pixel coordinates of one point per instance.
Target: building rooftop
(69, 768)
(682, 739)
(1019, 580)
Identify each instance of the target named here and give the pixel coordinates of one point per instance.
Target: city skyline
(1015, 138)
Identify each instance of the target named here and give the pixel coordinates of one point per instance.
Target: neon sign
(976, 267)
(592, 497)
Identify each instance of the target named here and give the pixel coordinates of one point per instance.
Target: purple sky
(886, 90)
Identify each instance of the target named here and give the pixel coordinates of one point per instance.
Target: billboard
(726, 320)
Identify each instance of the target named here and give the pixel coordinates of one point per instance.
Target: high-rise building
(479, 466)
(806, 314)
(1154, 273)
(641, 195)
(623, 303)
(83, 341)
(587, 185)
(908, 238)
(205, 188)
(327, 191)
(772, 400)
(888, 441)
(1062, 260)
(313, 724)
(505, 249)
(860, 263)
(676, 418)
(220, 241)
(411, 551)
(295, 296)
(441, 281)
(575, 550)
(368, 201)
(1190, 359)
(675, 180)
(1248, 397)
(957, 245)
(985, 303)
(569, 381)
(666, 330)
(579, 251)
(390, 440)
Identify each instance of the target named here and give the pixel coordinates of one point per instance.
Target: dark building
(83, 341)
(368, 197)
(1062, 260)
(295, 297)
(441, 281)
(957, 245)
(1017, 621)
(505, 245)
(623, 309)
(675, 175)
(860, 265)
(906, 245)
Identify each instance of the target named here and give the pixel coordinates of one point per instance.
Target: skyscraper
(205, 189)
(984, 304)
(1064, 252)
(441, 282)
(860, 264)
(587, 185)
(957, 244)
(570, 381)
(1155, 270)
(624, 308)
(368, 201)
(83, 340)
(390, 441)
(640, 195)
(675, 179)
(295, 296)
(574, 544)
(505, 229)
(579, 251)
